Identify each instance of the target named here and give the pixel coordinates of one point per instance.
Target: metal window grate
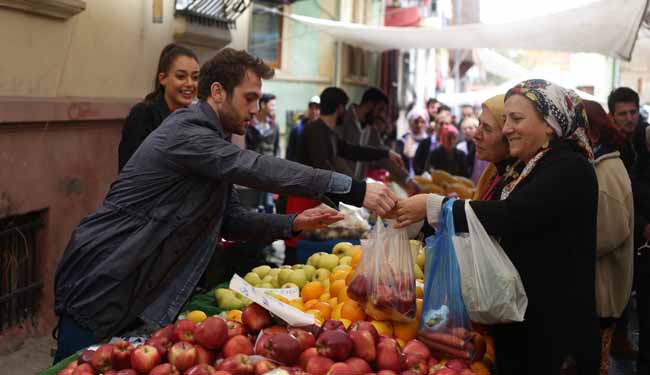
(20, 282)
(214, 13)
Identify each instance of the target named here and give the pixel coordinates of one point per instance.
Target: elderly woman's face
(525, 129)
(491, 144)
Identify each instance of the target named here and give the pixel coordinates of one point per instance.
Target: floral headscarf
(562, 109)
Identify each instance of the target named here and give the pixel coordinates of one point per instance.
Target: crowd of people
(562, 184)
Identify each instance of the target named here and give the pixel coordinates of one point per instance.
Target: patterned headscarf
(562, 109)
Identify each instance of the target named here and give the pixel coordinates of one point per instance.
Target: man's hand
(379, 198)
(396, 159)
(316, 218)
(411, 210)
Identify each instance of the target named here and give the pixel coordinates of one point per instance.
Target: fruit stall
(298, 319)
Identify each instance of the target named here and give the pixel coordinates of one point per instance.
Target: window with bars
(20, 280)
(217, 13)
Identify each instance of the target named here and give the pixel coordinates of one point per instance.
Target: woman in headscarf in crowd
(615, 236)
(447, 157)
(546, 222)
(418, 120)
(492, 147)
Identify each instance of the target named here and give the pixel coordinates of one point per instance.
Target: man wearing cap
(313, 113)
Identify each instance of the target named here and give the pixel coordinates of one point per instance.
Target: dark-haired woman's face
(180, 82)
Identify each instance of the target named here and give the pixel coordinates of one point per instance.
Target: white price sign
(288, 313)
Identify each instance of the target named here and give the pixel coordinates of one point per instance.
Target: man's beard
(230, 120)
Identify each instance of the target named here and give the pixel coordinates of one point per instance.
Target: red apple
(144, 358)
(184, 331)
(84, 369)
(260, 345)
(205, 356)
(255, 317)
(318, 365)
(121, 356)
(417, 347)
(86, 357)
(211, 333)
(467, 372)
(457, 365)
(306, 339)
(239, 364)
(219, 372)
(358, 366)
(239, 344)
(389, 356)
(306, 355)
(183, 355)
(358, 288)
(235, 328)
(164, 369)
(264, 366)
(432, 362)
(103, 357)
(113, 372)
(161, 344)
(283, 348)
(417, 364)
(274, 330)
(408, 372)
(201, 369)
(127, 371)
(446, 371)
(363, 325)
(363, 345)
(166, 332)
(334, 344)
(386, 372)
(313, 329)
(333, 325)
(69, 369)
(340, 368)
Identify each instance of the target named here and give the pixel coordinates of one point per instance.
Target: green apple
(262, 271)
(345, 260)
(314, 259)
(275, 282)
(283, 277)
(418, 272)
(342, 249)
(328, 261)
(420, 259)
(344, 267)
(309, 271)
(274, 272)
(289, 285)
(267, 279)
(222, 292)
(298, 277)
(252, 278)
(228, 300)
(326, 283)
(286, 267)
(265, 285)
(321, 274)
(298, 266)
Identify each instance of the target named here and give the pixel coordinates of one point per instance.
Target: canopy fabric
(609, 27)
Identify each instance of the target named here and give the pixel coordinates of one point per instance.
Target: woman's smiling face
(524, 128)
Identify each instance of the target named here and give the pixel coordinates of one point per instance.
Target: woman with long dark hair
(176, 84)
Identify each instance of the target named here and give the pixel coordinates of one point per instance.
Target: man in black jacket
(624, 108)
(140, 255)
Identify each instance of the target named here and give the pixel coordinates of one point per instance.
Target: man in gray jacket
(140, 255)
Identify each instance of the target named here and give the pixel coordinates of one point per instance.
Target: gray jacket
(173, 194)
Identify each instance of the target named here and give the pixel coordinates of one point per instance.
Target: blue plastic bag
(445, 325)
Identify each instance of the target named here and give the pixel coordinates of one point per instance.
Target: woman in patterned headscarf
(546, 221)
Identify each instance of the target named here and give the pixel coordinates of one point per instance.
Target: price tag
(288, 293)
(288, 313)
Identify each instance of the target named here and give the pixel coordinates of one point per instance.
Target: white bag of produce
(491, 285)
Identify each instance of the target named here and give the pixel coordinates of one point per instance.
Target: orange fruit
(324, 308)
(349, 278)
(309, 304)
(324, 297)
(418, 308)
(338, 275)
(405, 331)
(383, 327)
(480, 368)
(234, 315)
(346, 322)
(312, 290)
(333, 301)
(352, 311)
(317, 315)
(400, 342)
(197, 316)
(356, 256)
(343, 294)
(335, 287)
(336, 313)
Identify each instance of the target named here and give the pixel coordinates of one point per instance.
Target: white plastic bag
(491, 286)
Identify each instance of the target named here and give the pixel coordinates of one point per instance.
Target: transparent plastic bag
(445, 326)
(384, 281)
(492, 288)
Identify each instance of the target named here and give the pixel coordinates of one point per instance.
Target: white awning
(609, 27)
